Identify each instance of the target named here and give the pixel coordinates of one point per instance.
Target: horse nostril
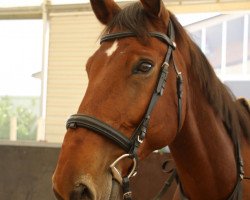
(81, 192)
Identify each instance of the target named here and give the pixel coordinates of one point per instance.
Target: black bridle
(131, 145)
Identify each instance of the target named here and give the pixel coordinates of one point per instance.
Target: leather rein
(131, 145)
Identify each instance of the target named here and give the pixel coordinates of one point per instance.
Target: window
(15, 3)
(20, 86)
(69, 1)
(234, 49)
(248, 51)
(213, 47)
(196, 36)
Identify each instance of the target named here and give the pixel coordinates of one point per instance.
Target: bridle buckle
(127, 195)
(139, 139)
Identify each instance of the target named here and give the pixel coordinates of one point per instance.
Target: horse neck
(204, 153)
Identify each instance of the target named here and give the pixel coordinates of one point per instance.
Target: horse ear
(104, 10)
(154, 8)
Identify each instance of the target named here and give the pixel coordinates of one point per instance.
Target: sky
(21, 50)
(20, 57)
(9, 3)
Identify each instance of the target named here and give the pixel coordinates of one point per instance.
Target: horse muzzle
(83, 189)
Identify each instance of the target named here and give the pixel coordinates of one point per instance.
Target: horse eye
(143, 67)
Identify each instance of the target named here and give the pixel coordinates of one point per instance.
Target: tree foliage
(26, 119)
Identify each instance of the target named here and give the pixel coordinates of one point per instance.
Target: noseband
(131, 145)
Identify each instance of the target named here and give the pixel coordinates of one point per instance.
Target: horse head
(123, 76)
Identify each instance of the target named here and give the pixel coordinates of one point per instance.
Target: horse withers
(151, 86)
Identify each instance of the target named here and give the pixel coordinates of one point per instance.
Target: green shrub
(25, 115)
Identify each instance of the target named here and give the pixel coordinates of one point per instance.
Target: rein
(131, 145)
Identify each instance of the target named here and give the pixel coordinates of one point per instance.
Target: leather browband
(162, 37)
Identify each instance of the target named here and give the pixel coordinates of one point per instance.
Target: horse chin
(116, 193)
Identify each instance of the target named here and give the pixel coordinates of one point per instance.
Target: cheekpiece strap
(127, 194)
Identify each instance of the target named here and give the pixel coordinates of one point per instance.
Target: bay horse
(151, 86)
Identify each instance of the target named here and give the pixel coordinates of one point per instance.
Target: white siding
(73, 38)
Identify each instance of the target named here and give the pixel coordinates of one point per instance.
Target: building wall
(26, 173)
(73, 38)
(229, 51)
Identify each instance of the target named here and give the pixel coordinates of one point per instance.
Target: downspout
(41, 136)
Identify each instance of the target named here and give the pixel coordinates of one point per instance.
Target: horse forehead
(109, 52)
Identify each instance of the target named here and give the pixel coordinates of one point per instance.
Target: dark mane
(234, 115)
(132, 18)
